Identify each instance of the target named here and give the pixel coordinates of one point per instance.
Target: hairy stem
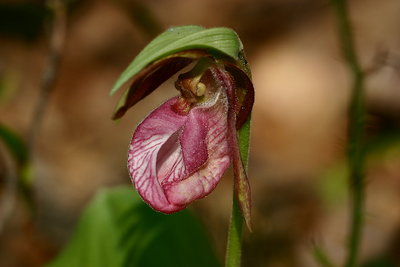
(355, 150)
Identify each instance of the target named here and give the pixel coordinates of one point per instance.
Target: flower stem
(233, 248)
(234, 244)
(355, 150)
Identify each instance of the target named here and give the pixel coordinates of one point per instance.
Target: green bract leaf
(220, 42)
(244, 141)
(118, 229)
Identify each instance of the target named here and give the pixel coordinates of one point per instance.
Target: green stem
(233, 248)
(355, 151)
(234, 244)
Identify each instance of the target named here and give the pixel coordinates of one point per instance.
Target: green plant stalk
(356, 129)
(234, 244)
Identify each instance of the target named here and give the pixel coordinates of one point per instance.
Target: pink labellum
(176, 158)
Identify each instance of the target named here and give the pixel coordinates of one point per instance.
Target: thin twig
(56, 44)
(356, 153)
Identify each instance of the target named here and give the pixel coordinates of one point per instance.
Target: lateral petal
(241, 182)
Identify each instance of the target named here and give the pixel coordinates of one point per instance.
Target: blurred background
(297, 163)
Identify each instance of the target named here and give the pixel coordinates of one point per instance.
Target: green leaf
(220, 42)
(14, 144)
(321, 257)
(20, 154)
(118, 229)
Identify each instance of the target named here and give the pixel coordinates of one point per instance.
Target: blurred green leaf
(8, 84)
(217, 41)
(14, 144)
(321, 257)
(118, 229)
(19, 151)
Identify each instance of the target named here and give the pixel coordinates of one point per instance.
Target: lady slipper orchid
(181, 150)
